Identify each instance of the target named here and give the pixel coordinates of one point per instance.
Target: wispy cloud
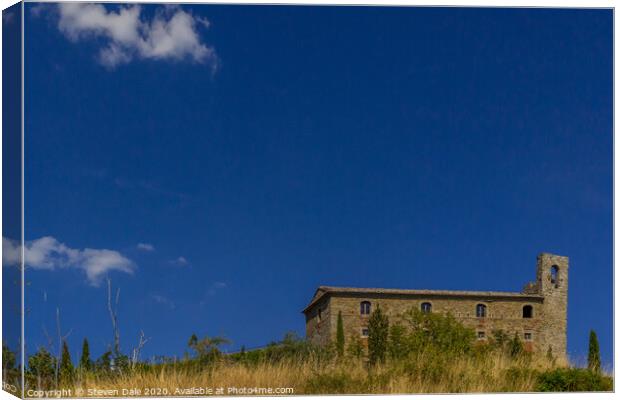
(180, 261)
(145, 247)
(170, 34)
(163, 300)
(47, 253)
(150, 187)
(36, 9)
(215, 287)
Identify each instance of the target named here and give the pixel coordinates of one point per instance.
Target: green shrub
(378, 332)
(573, 380)
(438, 331)
(10, 370)
(594, 354)
(41, 370)
(397, 344)
(355, 349)
(340, 335)
(291, 347)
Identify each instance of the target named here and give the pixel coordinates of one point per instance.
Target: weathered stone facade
(537, 314)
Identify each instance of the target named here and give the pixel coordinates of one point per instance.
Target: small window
(426, 307)
(555, 272)
(481, 335)
(528, 336)
(528, 311)
(365, 308)
(481, 311)
(364, 332)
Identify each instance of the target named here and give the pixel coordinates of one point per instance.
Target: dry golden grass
(494, 372)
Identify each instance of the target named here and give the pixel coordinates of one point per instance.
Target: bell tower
(552, 281)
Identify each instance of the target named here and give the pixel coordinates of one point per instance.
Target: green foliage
(41, 369)
(340, 335)
(207, 349)
(10, 371)
(66, 366)
(103, 364)
(85, 363)
(378, 332)
(594, 354)
(499, 339)
(355, 347)
(8, 358)
(437, 332)
(397, 345)
(291, 347)
(573, 380)
(121, 363)
(515, 346)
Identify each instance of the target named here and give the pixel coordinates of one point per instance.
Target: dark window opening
(527, 336)
(426, 308)
(365, 308)
(481, 311)
(481, 335)
(555, 275)
(364, 332)
(528, 311)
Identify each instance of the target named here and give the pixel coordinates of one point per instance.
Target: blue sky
(258, 152)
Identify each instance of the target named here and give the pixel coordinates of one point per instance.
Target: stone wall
(319, 327)
(547, 296)
(502, 314)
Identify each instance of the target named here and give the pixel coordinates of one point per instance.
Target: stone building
(537, 314)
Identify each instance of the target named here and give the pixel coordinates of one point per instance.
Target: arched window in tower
(481, 311)
(528, 311)
(426, 307)
(555, 276)
(365, 308)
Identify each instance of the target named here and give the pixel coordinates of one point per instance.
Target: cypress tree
(594, 354)
(66, 366)
(340, 335)
(378, 331)
(85, 362)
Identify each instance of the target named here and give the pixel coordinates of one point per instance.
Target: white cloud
(145, 247)
(49, 254)
(180, 262)
(170, 34)
(10, 252)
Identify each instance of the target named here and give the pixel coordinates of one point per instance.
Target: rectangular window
(364, 332)
(528, 336)
(481, 335)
